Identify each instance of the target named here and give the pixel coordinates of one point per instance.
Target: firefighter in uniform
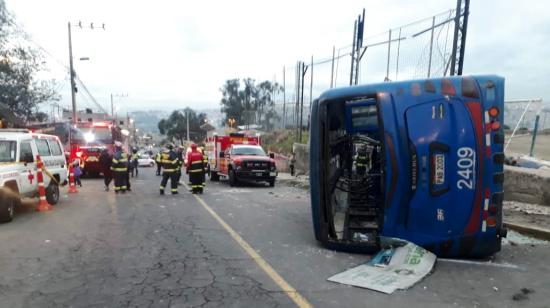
(205, 166)
(120, 168)
(157, 161)
(195, 169)
(361, 161)
(170, 162)
(180, 154)
(134, 162)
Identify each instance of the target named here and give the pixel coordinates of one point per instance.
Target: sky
(174, 54)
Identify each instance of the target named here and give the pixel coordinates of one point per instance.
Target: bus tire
(52, 193)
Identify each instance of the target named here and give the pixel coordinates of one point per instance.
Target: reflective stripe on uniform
(119, 169)
(197, 162)
(198, 170)
(169, 170)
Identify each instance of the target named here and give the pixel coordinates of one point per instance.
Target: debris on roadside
(523, 294)
(527, 208)
(399, 266)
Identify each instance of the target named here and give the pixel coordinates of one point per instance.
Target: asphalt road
(96, 249)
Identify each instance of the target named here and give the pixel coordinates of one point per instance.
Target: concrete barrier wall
(527, 185)
(302, 158)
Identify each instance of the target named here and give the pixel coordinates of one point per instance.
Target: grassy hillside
(281, 141)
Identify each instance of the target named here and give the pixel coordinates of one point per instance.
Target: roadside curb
(540, 233)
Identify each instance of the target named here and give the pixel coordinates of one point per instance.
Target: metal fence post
(389, 54)
(431, 47)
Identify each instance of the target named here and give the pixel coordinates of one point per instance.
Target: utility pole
(284, 98)
(358, 56)
(332, 68)
(431, 47)
(302, 76)
(310, 93)
(71, 68)
(358, 29)
(297, 98)
(459, 37)
(352, 70)
(187, 118)
(389, 56)
(112, 108)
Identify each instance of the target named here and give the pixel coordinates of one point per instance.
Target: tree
(231, 102)
(20, 89)
(250, 104)
(175, 126)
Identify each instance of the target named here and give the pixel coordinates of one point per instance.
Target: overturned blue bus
(419, 160)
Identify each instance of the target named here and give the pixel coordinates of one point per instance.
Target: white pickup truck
(19, 149)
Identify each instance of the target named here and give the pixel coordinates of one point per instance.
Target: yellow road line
(278, 279)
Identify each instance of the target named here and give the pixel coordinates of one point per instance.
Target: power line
(90, 95)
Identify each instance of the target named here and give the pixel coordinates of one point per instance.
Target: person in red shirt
(195, 169)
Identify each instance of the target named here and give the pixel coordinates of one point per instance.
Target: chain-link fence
(420, 49)
(527, 127)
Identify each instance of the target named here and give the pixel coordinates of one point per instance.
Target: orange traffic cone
(72, 185)
(43, 204)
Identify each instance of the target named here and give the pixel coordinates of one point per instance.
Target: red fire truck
(85, 141)
(89, 139)
(239, 157)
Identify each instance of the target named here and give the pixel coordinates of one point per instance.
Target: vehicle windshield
(93, 135)
(248, 151)
(7, 151)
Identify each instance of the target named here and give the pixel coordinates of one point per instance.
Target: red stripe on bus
(477, 120)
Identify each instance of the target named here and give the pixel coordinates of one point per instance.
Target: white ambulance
(19, 149)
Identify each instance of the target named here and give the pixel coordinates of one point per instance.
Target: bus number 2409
(465, 168)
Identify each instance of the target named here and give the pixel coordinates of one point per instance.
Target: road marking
(482, 263)
(298, 299)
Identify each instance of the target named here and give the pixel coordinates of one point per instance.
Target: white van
(19, 149)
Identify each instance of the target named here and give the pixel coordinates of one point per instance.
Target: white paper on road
(391, 269)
